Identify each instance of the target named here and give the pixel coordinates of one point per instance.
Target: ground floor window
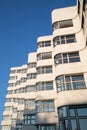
(73, 117)
(46, 127)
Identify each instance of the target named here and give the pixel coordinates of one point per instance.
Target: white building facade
(49, 92)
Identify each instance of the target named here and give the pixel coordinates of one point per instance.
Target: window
(21, 90)
(68, 82)
(31, 76)
(13, 77)
(13, 121)
(73, 117)
(6, 127)
(16, 91)
(6, 117)
(18, 82)
(44, 56)
(65, 23)
(12, 71)
(24, 71)
(29, 119)
(8, 108)
(62, 24)
(45, 69)
(21, 101)
(83, 124)
(19, 71)
(23, 79)
(64, 39)
(19, 126)
(46, 127)
(44, 44)
(55, 26)
(9, 91)
(41, 86)
(20, 114)
(32, 65)
(8, 99)
(45, 106)
(15, 100)
(31, 88)
(11, 84)
(14, 110)
(29, 103)
(66, 58)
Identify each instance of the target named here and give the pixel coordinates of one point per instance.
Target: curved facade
(49, 92)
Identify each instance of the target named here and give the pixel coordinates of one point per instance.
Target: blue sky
(21, 23)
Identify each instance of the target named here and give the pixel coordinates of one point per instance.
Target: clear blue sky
(21, 23)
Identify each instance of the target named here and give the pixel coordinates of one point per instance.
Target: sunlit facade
(49, 92)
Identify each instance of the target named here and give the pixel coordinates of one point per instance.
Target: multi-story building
(50, 91)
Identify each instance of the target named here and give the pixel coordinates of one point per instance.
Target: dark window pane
(70, 40)
(64, 125)
(62, 41)
(73, 54)
(82, 111)
(74, 59)
(65, 23)
(68, 86)
(65, 60)
(67, 78)
(78, 85)
(64, 55)
(83, 124)
(49, 87)
(62, 112)
(77, 77)
(74, 124)
(72, 112)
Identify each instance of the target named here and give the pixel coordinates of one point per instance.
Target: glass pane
(32, 121)
(62, 125)
(83, 124)
(58, 61)
(65, 60)
(68, 86)
(48, 69)
(49, 87)
(67, 78)
(77, 77)
(72, 112)
(61, 86)
(65, 23)
(28, 121)
(82, 111)
(62, 41)
(70, 40)
(62, 112)
(73, 54)
(73, 124)
(60, 79)
(78, 85)
(74, 59)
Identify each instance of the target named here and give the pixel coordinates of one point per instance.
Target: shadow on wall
(31, 120)
(24, 121)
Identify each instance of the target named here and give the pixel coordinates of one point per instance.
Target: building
(49, 92)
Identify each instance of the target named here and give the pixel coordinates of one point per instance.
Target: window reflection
(73, 117)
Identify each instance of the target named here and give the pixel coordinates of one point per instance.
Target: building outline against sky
(49, 92)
